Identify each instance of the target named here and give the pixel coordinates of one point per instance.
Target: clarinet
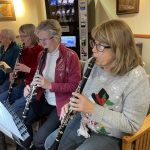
(70, 112)
(19, 124)
(15, 74)
(33, 87)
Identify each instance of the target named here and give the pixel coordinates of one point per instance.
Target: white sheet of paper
(7, 124)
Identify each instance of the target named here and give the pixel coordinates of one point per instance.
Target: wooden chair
(140, 140)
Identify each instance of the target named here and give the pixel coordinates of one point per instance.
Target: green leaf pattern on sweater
(109, 103)
(103, 131)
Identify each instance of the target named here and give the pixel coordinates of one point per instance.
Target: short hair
(119, 36)
(29, 29)
(9, 34)
(52, 26)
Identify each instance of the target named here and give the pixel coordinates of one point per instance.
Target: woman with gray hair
(59, 78)
(8, 53)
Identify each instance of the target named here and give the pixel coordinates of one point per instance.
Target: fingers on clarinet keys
(35, 93)
(34, 82)
(73, 102)
(64, 111)
(15, 74)
(62, 116)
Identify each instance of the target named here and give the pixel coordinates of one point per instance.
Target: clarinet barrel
(70, 113)
(33, 87)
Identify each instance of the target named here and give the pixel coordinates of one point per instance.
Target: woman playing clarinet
(57, 80)
(115, 99)
(25, 67)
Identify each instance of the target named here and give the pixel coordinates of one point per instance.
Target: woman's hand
(81, 103)
(26, 90)
(11, 76)
(40, 81)
(64, 110)
(22, 68)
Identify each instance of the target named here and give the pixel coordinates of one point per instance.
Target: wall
(27, 11)
(139, 22)
(41, 12)
(33, 11)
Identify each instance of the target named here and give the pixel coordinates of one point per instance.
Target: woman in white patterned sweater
(116, 97)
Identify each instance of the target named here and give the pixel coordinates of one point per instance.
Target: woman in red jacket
(60, 77)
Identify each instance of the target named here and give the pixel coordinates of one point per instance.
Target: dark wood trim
(146, 36)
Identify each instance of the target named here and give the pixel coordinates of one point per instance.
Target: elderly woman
(58, 78)
(8, 53)
(115, 99)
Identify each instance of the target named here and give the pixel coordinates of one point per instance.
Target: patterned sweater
(121, 102)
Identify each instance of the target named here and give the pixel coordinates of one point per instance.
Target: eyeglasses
(46, 39)
(99, 47)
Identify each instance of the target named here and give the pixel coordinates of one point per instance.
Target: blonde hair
(9, 34)
(119, 36)
(52, 26)
(29, 29)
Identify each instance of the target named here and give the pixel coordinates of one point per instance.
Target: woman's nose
(94, 49)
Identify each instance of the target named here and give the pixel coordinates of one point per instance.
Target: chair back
(140, 140)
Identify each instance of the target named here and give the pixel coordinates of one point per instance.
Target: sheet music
(7, 125)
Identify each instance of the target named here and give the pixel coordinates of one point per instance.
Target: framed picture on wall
(7, 12)
(127, 6)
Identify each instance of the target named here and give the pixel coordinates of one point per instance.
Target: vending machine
(73, 16)
(66, 12)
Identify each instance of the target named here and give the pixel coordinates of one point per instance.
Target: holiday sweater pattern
(102, 98)
(128, 96)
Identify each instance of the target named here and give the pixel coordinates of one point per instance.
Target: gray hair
(52, 26)
(9, 34)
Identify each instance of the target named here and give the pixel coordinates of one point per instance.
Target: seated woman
(25, 67)
(8, 53)
(115, 99)
(58, 78)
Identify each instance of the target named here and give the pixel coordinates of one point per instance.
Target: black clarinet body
(33, 87)
(70, 113)
(15, 75)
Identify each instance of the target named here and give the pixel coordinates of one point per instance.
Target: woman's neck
(50, 50)
(6, 46)
(30, 46)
